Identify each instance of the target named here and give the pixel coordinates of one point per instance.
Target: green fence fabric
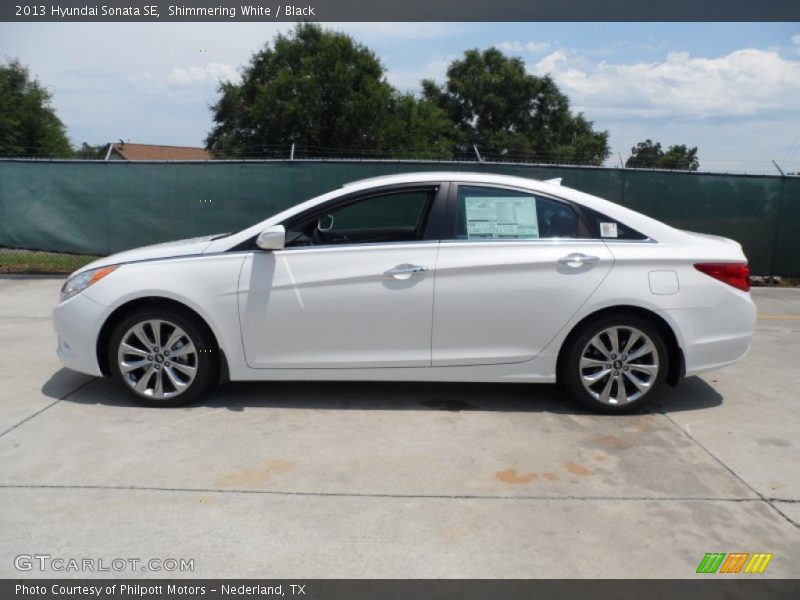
(104, 207)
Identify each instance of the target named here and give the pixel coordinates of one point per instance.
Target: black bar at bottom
(706, 587)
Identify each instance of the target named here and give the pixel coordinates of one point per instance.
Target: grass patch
(33, 262)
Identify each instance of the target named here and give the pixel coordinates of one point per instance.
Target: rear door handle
(577, 260)
(405, 270)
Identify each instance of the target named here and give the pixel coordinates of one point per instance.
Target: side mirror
(273, 238)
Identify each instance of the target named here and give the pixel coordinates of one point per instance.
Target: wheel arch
(677, 365)
(125, 309)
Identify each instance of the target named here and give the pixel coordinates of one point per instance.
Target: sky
(731, 89)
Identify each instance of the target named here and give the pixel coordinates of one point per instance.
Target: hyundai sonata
(423, 276)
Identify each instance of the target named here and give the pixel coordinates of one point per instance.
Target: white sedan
(423, 276)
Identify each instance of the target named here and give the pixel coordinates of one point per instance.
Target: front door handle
(577, 260)
(405, 270)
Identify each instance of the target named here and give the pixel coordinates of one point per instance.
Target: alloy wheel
(157, 359)
(619, 365)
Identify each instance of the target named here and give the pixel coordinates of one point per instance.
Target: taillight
(735, 274)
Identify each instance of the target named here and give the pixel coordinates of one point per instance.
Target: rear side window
(605, 227)
(496, 213)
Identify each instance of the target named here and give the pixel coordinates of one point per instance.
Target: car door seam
(433, 303)
(239, 308)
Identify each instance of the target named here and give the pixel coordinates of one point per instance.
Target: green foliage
(509, 113)
(35, 262)
(318, 88)
(29, 126)
(417, 128)
(649, 155)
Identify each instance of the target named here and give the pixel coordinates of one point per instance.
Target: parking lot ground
(317, 480)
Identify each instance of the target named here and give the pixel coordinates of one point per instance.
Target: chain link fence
(97, 208)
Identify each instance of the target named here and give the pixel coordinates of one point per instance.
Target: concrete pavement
(397, 480)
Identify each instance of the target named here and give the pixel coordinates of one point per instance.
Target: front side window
(399, 216)
(496, 213)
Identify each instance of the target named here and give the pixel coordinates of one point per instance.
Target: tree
(29, 126)
(416, 128)
(318, 88)
(507, 112)
(645, 155)
(649, 155)
(681, 158)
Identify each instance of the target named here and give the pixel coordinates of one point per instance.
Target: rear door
(518, 266)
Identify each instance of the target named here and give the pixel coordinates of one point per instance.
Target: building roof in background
(152, 152)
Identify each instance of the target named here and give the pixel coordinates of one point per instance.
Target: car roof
(415, 177)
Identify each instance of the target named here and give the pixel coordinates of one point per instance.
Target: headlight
(77, 283)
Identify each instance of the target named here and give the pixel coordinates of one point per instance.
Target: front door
(352, 289)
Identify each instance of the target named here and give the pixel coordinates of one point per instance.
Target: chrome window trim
(538, 241)
(647, 240)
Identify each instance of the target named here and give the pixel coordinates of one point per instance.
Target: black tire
(204, 359)
(570, 367)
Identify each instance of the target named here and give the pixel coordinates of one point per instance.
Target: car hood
(156, 251)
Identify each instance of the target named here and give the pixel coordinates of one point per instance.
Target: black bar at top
(405, 10)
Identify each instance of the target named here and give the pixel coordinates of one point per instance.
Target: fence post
(776, 235)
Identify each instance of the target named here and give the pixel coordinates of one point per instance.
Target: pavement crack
(761, 497)
(41, 410)
(598, 498)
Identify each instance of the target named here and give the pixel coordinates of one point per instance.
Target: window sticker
(608, 230)
(501, 218)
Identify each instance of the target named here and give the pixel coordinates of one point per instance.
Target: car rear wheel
(615, 364)
(162, 357)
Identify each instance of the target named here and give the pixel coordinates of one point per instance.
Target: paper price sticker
(608, 230)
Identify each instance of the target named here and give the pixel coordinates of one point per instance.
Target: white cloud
(551, 62)
(746, 82)
(796, 40)
(212, 72)
(524, 48)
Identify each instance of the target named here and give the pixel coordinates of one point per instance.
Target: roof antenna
(779, 169)
(477, 154)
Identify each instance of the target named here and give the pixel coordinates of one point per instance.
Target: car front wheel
(162, 357)
(615, 364)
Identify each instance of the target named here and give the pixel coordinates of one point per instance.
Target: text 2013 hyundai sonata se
(423, 276)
